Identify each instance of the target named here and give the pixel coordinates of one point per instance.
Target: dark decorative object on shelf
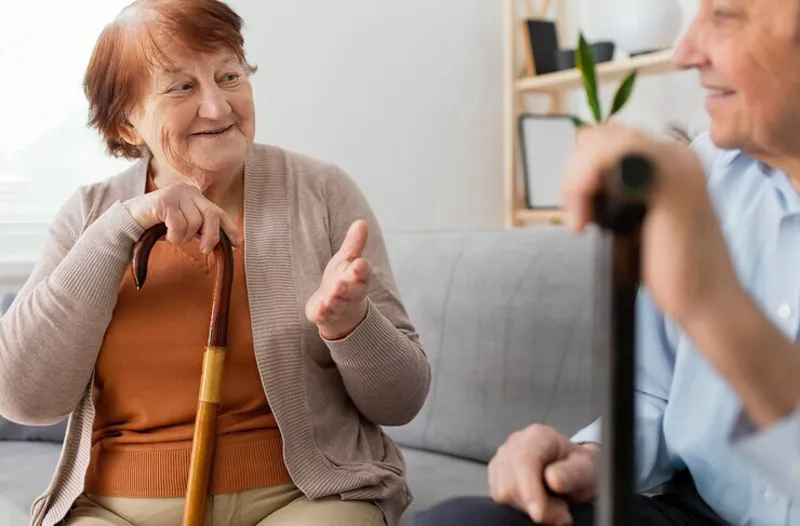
(565, 59)
(542, 44)
(601, 51)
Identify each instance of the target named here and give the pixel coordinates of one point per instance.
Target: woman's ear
(128, 133)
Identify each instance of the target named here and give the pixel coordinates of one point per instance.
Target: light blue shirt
(687, 416)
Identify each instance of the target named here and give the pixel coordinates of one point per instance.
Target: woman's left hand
(340, 303)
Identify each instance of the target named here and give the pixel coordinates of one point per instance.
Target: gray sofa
(506, 319)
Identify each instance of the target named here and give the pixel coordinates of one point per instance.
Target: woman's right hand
(186, 212)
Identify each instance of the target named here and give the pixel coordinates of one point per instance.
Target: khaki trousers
(274, 506)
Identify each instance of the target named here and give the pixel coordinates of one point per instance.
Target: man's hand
(538, 470)
(685, 264)
(340, 303)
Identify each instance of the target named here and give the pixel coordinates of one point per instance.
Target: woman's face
(197, 116)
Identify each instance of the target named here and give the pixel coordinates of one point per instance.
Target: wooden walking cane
(213, 363)
(620, 209)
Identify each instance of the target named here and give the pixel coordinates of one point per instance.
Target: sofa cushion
(25, 472)
(506, 320)
(11, 431)
(434, 477)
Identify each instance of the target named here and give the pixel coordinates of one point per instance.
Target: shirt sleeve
(773, 451)
(655, 364)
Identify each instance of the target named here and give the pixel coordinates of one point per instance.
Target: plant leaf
(623, 93)
(584, 60)
(577, 121)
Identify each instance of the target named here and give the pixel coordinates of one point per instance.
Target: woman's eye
(181, 88)
(231, 77)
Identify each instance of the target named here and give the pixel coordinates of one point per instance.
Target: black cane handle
(621, 205)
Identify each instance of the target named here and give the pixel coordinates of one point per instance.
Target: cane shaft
(203, 442)
(617, 455)
(621, 209)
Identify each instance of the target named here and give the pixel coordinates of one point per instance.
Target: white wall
(407, 97)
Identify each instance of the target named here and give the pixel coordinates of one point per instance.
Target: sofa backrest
(505, 317)
(5, 303)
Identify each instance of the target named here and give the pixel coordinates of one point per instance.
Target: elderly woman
(320, 354)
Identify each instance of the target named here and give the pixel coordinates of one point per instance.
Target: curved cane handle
(222, 283)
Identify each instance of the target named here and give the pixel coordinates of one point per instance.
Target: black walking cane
(620, 210)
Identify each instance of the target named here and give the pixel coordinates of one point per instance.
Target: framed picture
(545, 144)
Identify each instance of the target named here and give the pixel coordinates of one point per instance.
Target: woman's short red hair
(128, 49)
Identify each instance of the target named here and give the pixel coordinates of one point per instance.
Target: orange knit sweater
(147, 381)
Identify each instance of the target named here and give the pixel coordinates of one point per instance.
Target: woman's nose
(214, 104)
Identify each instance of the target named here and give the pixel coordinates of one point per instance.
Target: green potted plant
(585, 62)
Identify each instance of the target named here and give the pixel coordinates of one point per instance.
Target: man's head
(748, 56)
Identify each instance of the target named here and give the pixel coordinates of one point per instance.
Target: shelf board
(649, 64)
(548, 216)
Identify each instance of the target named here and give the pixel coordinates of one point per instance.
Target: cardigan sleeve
(384, 368)
(50, 337)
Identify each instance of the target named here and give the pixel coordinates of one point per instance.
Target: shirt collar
(786, 192)
(727, 158)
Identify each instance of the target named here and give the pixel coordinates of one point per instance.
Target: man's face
(748, 56)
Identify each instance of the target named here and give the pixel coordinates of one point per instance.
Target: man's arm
(763, 367)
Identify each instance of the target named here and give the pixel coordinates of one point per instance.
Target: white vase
(640, 26)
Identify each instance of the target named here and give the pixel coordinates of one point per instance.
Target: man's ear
(128, 133)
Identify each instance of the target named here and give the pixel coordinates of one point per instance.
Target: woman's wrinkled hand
(187, 214)
(340, 303)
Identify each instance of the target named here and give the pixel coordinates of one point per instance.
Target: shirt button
(771, 496)
(785, 311)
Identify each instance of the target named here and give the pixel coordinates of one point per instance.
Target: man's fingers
(531, 491)
(355, 240)
(597, 150)
(575, 476)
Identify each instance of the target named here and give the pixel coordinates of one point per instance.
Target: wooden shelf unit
(556, 86)
(649, 64)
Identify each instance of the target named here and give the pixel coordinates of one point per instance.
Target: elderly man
(718, 388)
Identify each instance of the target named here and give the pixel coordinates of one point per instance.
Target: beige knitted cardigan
(328, 397)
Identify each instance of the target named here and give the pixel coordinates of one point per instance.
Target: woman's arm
(50, 337)
(385, 370)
